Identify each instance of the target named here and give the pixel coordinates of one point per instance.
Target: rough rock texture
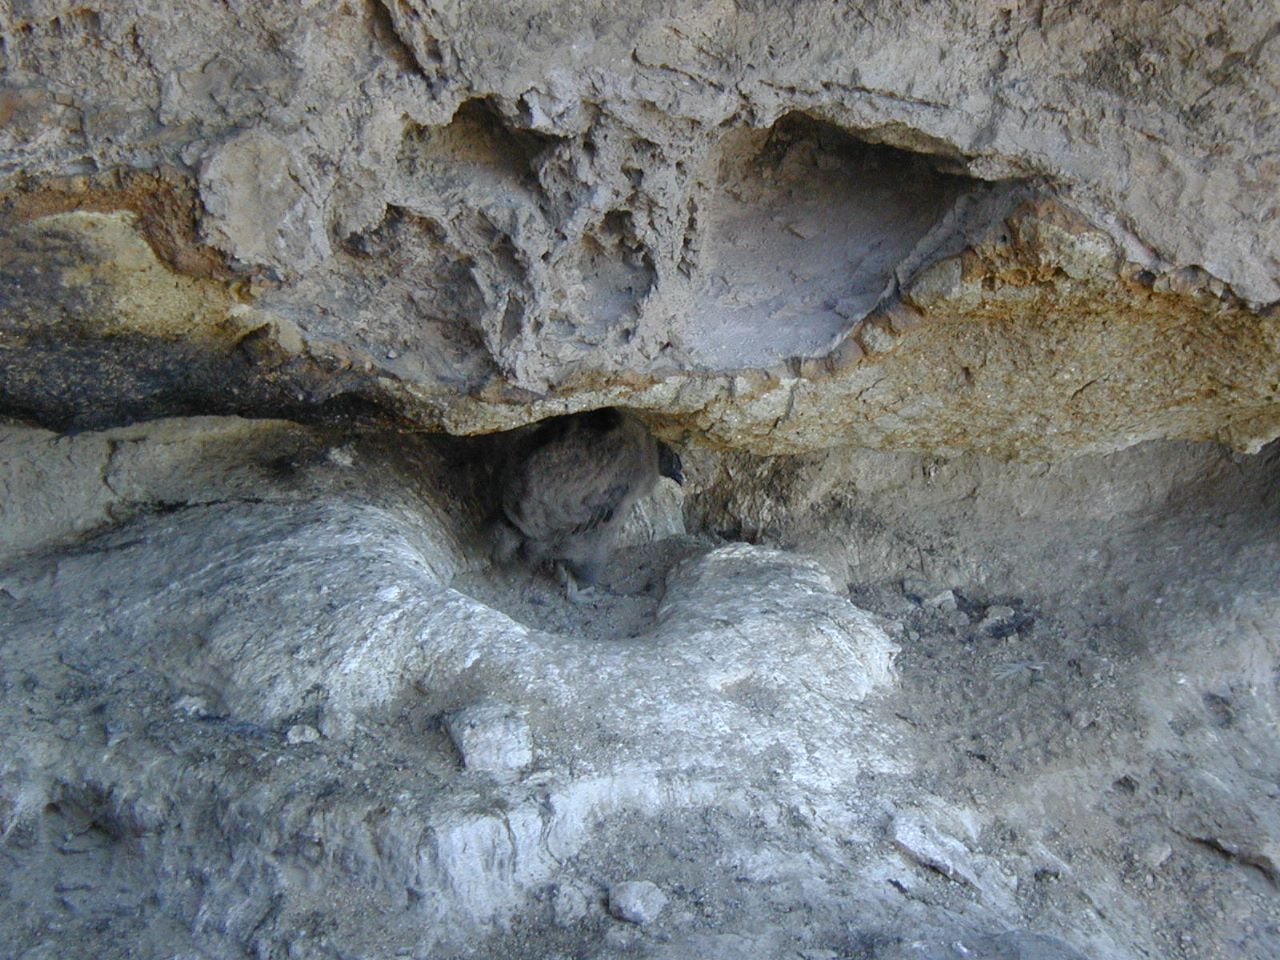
(308, 630)
(263, 695)
(962, 638)
(1021, 229)
(636, 901)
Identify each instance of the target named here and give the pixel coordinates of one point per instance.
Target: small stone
(996, 617)
(192, 705)
(945, 601)
(929, 847)
(636, 901)
(302, 733)
(1156, 854)
(876, 339)
(342, 456)
(491, 736)
(902, 319)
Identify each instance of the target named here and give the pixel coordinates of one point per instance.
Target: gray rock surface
(958, 640)
(1013, 945)
(1089, 97)
(239, 678)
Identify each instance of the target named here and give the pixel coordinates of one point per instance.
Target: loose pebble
(636, 901)
(491, 737)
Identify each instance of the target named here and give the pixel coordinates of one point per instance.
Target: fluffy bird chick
(567, 485)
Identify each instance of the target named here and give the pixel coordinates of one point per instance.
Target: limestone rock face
(263, 694)
(1025, 231)
(961, 637)
(403, 739)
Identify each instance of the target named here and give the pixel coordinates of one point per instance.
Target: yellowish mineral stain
(142, 294)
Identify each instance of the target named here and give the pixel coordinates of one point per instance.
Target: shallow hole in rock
(614, 273)
(476, 147)
(624, 602)
(804, 227)
(623, 606)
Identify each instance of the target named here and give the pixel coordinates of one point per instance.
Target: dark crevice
(383, 28)
(91, 384)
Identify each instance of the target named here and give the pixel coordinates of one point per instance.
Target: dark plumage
(567, 484)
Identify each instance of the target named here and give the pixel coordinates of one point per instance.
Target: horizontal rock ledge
(1035, 338)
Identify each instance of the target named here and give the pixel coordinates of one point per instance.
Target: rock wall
(1013, 228)
(264, 695)
(960, 640)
